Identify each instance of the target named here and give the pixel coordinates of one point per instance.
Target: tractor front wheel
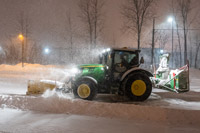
(137, 86)
(85, 89)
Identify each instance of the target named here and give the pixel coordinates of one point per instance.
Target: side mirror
(112, 55)
(100, 59)
(142, 60)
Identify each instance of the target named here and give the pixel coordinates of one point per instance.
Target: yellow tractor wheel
(137, 86)
(85, 89)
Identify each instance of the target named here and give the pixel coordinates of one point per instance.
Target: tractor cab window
(106, 60)
(124, 60)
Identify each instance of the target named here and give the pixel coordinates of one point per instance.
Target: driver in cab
(124, 61)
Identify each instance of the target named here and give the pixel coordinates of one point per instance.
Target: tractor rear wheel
(137, 86)
(85, 89)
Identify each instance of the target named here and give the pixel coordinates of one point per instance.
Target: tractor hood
(96, 71)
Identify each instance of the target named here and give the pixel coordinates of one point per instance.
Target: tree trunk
(95, 23)
(179, 43)
(185, 44)
(197, 53)
(153, 43)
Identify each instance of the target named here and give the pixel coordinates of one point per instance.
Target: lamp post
(21, 37)
(153, 43)
(171, 20)
(46, 52)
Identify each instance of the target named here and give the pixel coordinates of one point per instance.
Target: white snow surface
(56, 112)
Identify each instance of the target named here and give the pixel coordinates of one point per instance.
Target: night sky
(47, 20)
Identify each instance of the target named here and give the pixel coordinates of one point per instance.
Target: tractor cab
(121, 60)
(117, 62)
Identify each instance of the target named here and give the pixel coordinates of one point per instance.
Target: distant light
(161, 51)
(46, 51)
(1, 50)
(170, 19)
(21, 37)
(108, 49)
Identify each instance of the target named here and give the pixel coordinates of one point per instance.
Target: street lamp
(171, 20)
(46, 51)
(161, 51)
(21, 37)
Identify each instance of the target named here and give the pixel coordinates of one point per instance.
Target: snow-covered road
(26, 121)
(53, 112)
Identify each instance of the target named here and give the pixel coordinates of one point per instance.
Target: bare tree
(70, 32)
(185, 8)
(179, 43)
(162, 38)
(136, 14)
(23, 27)
(35, 52)
(92, 16)
(175, 13)
(114, 40)
(11, 50)
(197, 51)
(191, 49)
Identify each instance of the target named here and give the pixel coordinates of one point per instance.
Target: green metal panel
(176, 82)
(96, 71)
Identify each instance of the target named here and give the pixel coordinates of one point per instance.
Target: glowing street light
(21, 37)
(161, 51)
(170, 19)
(46, 51)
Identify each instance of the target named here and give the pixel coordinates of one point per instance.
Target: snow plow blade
(40, 86)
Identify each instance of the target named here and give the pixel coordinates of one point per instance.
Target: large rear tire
(137, 86)
(85, 89)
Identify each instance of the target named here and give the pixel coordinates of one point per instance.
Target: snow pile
(54, 93)
(195, 80)
(174, 103)
(112, 110)
(13, 79)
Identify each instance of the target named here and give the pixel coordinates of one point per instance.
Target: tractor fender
(88, 78)
(136, 70)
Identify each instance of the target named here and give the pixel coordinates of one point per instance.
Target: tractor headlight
(106, 50)
(75, 71)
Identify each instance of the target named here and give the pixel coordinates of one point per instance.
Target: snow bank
(13, 79)
(112, 110)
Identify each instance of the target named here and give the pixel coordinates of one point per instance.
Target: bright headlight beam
(108, 49)
(74, 70)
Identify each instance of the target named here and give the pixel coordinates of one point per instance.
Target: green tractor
(117, 73)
